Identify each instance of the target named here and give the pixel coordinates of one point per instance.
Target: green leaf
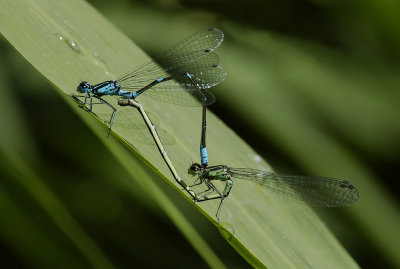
(55, 55)
(327, 111)
(68, 41)
(302, 101)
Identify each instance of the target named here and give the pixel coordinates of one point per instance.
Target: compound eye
(84, 84)
(195, 167)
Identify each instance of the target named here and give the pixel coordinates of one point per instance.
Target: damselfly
(180, 75)
(315, 191)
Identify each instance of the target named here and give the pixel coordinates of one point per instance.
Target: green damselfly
(314, 191)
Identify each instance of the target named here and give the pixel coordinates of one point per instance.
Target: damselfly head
(83, 87)
(194, 169)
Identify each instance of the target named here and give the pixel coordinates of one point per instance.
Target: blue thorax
(106, 88)
(111, 88)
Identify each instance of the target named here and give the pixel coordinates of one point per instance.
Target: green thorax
(218, 174)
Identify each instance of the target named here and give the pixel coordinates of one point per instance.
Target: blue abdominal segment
(204, 156)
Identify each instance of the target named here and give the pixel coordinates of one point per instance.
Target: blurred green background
(312, 86)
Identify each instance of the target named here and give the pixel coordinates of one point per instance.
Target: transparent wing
(315, 191)
(205, 73)
(193, 47)
(193, 55)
